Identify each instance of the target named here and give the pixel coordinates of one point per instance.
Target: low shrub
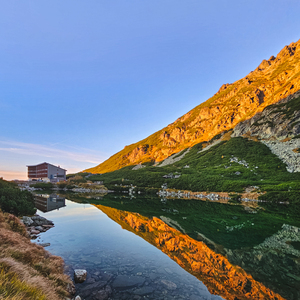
(17, 202)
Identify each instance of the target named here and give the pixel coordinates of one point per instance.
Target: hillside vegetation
(27, 271)
(271, 81)
(229, 166)
(15, 201)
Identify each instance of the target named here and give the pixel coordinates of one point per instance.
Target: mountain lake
(142, 247)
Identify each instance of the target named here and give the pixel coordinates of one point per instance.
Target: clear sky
(79, 80)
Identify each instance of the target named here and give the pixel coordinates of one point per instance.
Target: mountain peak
(273, 80)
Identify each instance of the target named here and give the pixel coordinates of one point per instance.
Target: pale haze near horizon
(80, 80)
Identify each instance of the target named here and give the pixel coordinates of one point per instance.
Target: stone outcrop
(285, 151)
(278, 127)
(273, 80)
(174, 158)
(277, 121)
(35, 225)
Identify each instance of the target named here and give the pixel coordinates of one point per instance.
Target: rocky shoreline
(128, 280)
(35, 225)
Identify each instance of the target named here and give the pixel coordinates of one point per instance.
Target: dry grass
(227, 136)
(28, 271)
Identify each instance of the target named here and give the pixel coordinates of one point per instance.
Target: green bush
(17, 202)
(62, 185)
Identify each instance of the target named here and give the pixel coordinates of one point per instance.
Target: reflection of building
(49, 202)
(46, 172)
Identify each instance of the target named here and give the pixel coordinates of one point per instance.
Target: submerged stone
(123, 282)
(143, 291)
(169, 284)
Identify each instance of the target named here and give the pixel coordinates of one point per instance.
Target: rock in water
(80, 275)
(123, 282)
(39, 228)
(143, 291)
(104, 293)
(27, 221)
(169, 284)
(44, 244)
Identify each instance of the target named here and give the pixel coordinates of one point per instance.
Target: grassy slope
(207, 170)
(27, 271)
(211, 170)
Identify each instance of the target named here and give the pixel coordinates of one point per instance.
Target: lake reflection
(120, 265)
(238, 251)
(45, 202)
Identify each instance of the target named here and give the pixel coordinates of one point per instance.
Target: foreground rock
(80, 275)
(36, 224)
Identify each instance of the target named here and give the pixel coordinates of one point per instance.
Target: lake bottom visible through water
(119, 264)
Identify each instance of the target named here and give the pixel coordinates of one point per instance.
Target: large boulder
(80, 275)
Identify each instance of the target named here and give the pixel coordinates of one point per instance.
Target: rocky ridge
(286, 152)
(273, 80)
(278, 127)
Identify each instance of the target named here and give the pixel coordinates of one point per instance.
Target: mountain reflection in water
(213, 269)
(239, 251)
(253, 248)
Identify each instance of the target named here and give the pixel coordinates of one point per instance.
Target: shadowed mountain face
(271, 81)
(216, 272)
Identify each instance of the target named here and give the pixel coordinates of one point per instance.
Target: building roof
(47, 164)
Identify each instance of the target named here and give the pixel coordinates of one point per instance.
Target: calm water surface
(120, 264)
(137, 247)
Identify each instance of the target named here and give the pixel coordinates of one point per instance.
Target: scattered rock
(71, 288)
(103, 294)
(284, 150)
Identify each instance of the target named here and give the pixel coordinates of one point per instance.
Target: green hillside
(212, 170)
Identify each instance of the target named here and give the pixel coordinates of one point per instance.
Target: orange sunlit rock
(271, 81)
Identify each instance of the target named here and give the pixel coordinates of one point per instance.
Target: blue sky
(79, 80)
